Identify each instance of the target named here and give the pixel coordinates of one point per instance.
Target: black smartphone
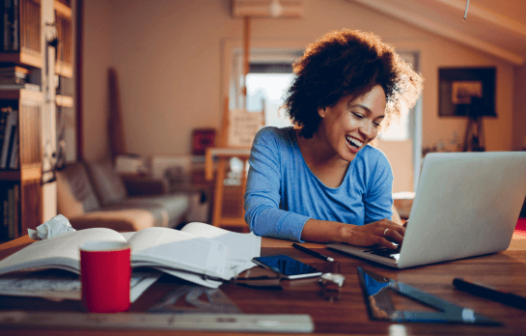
(288, 267)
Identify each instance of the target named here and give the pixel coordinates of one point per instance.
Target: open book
(200, 253)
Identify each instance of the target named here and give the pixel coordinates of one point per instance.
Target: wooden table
(349, 315)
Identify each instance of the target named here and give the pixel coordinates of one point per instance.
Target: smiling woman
(311, 181)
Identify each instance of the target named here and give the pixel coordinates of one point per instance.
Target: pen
(491, 293)
(311, 252)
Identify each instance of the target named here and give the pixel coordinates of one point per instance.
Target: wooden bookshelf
(28, 175)
(63, 17)
(24, 46)
(6, 175)
(24, 95)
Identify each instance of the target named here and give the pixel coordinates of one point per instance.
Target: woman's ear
(322, 112)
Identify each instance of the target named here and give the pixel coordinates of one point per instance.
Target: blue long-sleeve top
(282, 193)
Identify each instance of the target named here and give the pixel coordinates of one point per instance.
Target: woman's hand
(383, 232)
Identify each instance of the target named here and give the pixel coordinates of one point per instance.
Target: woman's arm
(382, 232)
(262, 197)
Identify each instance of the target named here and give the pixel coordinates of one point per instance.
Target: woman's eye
(358, 115)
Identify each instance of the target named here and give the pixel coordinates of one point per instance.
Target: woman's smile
(352, 123)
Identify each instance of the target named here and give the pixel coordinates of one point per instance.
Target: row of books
(13, 75)
(9, 139)
(10, 26)
(16, 78)
(9, 210)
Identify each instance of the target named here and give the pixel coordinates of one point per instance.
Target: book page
(154, 236)
(195, 278)
(128, 235)
(58, 252)
(242, 246)
(174, 249)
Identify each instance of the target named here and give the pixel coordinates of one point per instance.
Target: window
(270, 76)
(266, 92)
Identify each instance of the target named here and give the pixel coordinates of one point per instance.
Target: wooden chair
(238, 130)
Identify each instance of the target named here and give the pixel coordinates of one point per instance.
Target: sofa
(93, 194)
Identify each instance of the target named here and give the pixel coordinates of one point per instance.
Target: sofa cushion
(75, 195)
(167, 209)
(106, 182)
(119, 220)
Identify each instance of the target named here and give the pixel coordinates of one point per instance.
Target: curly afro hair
(349, 62)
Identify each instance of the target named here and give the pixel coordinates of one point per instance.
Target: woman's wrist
(326, 231)
(345, 232)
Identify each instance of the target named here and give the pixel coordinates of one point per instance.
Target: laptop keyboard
(384, 252)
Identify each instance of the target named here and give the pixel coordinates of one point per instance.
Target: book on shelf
(14, 69)
(11, 80)
(13, 75)
(4, 114)
(10, 24)
(14, 148)
(6, 25)
(16, 25)
(9, 201)
(4, 209)
(25, 86)
(9, 130)
(13, 139)
(200, 253)
(13, 198)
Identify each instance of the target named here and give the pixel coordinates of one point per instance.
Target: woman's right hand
(383, 232)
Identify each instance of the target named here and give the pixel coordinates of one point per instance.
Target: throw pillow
(107, 183)
(75, 195)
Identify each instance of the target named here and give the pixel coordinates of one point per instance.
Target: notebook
(466, 204)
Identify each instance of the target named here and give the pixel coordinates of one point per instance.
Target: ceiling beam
(489, 16)
(442, 30)
(263, 8)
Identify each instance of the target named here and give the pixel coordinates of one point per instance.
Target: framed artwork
(466, 92)
(202, 138)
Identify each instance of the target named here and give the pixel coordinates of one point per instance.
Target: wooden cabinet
(63, 22)
(21, 38)
(65, 106)
(21, 169)
(43, 101)
(21, 187)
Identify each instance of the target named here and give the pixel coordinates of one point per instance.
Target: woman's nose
(367, 128)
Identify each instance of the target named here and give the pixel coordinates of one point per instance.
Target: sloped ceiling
(497, 27)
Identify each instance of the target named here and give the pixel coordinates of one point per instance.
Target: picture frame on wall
(467, 92)
(202, 138)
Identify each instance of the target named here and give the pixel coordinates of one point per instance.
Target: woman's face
(352, 122)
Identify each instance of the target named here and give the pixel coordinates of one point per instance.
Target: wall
(96, 61)
(168, 55)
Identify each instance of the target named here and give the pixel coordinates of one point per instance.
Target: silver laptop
(466, 204)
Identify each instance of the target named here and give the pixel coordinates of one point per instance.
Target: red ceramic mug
(105, 276)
